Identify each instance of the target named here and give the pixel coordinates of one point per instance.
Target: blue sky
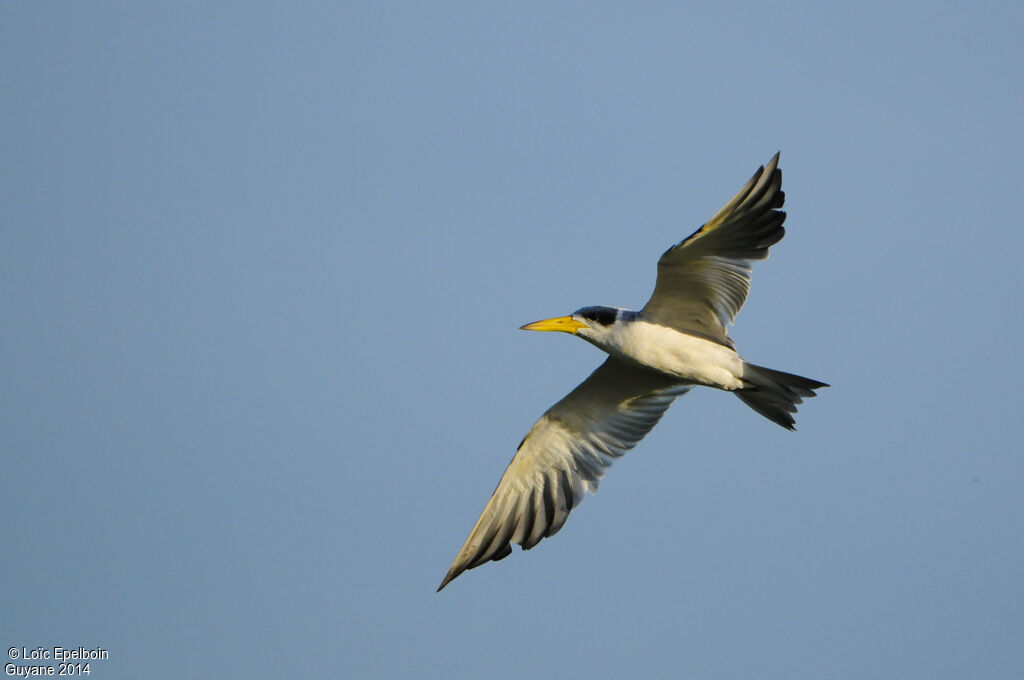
(262, 270)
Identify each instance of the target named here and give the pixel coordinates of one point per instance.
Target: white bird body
(678, 340)
(688, 357)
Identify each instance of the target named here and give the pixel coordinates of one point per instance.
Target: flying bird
(678, 340)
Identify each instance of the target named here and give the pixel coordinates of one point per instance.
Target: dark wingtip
(449, 577)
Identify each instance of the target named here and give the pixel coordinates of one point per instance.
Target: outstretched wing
(703, 280)
(564, 454)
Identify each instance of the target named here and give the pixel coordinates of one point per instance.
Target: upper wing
(703, 280)
(564, 454)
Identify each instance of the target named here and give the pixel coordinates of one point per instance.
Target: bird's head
(590, 323)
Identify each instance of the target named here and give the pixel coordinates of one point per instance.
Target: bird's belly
(683, 356)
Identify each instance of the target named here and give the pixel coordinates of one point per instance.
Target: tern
(678, 340)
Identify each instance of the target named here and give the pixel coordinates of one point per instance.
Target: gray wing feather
(704, 279)
(564, 455)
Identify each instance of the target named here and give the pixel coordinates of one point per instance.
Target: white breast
(674, 353)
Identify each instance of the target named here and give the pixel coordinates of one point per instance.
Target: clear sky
(261, 271)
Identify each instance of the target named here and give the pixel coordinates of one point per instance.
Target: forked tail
(775, 394)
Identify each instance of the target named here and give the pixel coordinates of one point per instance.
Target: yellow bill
(565, 324)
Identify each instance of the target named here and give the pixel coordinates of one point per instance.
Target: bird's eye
(600, 315)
